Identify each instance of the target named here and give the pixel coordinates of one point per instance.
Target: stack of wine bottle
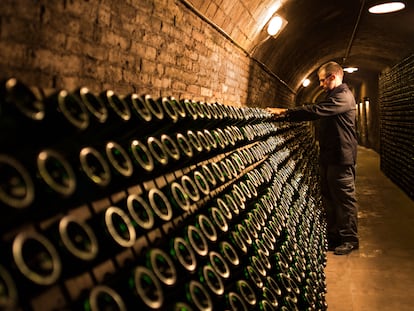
(131, 202)
(397, 124)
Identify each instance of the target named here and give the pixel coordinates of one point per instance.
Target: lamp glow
(275, 25)
(306, 83)
(350, 69)
(387, 7)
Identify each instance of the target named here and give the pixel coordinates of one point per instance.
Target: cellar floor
(380, 275)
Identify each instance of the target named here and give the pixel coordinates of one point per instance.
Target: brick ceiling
(317, 31)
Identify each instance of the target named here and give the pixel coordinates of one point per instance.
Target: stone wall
(159, 47)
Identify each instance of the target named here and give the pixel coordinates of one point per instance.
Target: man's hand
(276, 111)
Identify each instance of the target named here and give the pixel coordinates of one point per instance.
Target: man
(338, 150)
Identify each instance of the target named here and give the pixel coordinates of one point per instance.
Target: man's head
(330, 75)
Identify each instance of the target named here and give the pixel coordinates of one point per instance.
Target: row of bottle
(396, 110)
(131, 214)
(59, 181)
(215, 208)
(39, 118)
(59, 168)
(212, 254)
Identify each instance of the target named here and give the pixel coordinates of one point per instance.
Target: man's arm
(277, 111)
(296, 114)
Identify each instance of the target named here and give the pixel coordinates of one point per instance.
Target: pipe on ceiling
(351, 41)
(227, 36)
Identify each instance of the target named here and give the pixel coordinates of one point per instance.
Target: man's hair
(331, 68)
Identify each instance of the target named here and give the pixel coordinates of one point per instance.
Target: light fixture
(306, 82)
(350, 69)
(387, 7)
(275, 25)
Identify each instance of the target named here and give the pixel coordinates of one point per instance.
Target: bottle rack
(397, 126)
(119, 202)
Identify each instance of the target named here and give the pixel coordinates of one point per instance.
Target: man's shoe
(345, 248)
(332, 245)
(333, 241)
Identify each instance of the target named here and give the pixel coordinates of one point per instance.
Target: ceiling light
(387, 7)
(276, 23)
(350, 69)
(305, 82)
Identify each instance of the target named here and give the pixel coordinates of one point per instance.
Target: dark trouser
(338, 193)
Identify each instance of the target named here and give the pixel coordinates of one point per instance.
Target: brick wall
(159, 47)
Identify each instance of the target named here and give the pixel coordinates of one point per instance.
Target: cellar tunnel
(214, 54)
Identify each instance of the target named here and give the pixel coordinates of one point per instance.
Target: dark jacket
(337, 131)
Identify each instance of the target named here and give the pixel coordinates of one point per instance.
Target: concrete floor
(380, 275)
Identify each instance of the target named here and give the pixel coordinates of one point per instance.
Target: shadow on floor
(380, 275)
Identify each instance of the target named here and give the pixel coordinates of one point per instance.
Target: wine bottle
(66, 117)
(122, 167)
(98, 112)
(17, 190)
(170, 111)
(142, 157)
(76, 243)
(140, 212)
(185, 146)
(9, 296)
(139, 108)
(207, 227)
(30, 188)
(184, 255)
(212, 280)
(198, 296)
(190, 111)
(99, 298)
(235, 301)
(22, 112)
(177, 105)
(114, 230)
(163, 267)
(119, 123)
(197, 241)
(33, 262)
(246, 291)
(219, 221)
(171, 148)
(57, 176)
